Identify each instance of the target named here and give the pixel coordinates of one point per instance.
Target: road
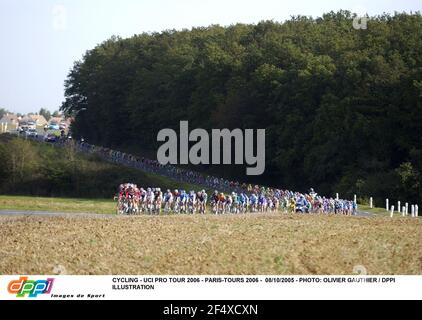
(89, 215)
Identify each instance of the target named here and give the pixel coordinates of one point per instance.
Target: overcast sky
(40, 39)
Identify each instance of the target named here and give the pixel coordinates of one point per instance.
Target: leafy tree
(342, 107)
(56, 114)
(3, 112)
(20, 161)
(410, 181)
(45, 113)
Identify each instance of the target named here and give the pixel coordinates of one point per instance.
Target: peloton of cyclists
(133, 200)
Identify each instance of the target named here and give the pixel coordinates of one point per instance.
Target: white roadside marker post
(355, 199)
(387, 204)
(392, 211)
(407, 209)
(403, 212)
(416, 211)
(412, 210)
(399, 206)
(371, 202)
(337, 196)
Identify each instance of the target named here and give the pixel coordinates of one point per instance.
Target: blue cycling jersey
(253, 199)
(242, 198)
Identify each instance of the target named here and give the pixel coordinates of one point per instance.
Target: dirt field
(271, 244)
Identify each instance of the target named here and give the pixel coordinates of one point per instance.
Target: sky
(41, 39)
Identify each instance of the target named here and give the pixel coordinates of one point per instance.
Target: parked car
(23, 129)
(51, 138)
(32, 124)
(32, 133)
(53, 126)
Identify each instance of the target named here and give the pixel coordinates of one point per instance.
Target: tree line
(342, 108)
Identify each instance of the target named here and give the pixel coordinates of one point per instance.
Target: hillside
(34, 168)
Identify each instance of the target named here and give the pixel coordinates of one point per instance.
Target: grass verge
(102, 206)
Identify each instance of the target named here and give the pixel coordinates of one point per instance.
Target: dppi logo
(32, 288)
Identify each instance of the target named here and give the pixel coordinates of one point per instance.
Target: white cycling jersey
(150, 196)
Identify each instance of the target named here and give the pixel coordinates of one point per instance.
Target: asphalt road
(89, 215)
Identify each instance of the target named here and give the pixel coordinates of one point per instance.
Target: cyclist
(221, 202)
(168, 200)
(215, 201)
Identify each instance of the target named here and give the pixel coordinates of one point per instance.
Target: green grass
(375, 210)
(102, 206)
